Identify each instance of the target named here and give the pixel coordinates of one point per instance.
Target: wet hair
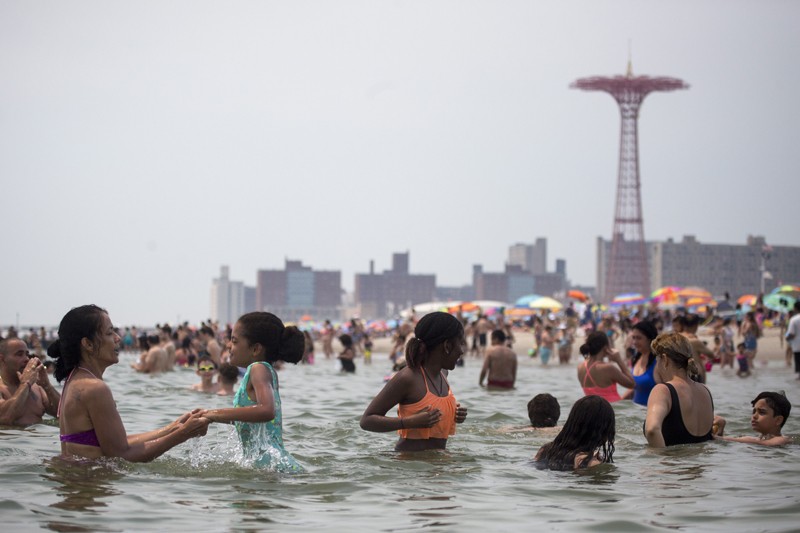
(544, 411)
(432, 330)
(777, 402)
(346, 340)
(79, 323)
(499, 335)
(228, 373)
(596, 342)
(677, 349)
(281, 343)
(649, 330)
(590, 429)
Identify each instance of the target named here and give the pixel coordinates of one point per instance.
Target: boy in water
(543, 412)
(228, 376)
(770, 411)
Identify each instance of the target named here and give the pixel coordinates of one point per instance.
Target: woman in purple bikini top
(89, 422)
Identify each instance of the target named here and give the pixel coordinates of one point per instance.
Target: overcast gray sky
(144, 144)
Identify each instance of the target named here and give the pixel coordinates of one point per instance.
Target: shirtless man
(212, 347)
(25, 392)
(165, 335)
(154, 360)
(484, 327)
(500, 364)
(700, 351)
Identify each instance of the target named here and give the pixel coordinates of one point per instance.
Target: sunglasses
(206, 368)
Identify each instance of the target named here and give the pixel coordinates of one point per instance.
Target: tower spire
(624, 267)
(629, 74)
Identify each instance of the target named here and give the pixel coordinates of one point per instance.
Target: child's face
(241, 351)
(764, 420)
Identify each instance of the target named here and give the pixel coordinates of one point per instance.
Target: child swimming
(770, 411)
(258, 341)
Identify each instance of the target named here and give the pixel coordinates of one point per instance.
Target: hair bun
(54, 350)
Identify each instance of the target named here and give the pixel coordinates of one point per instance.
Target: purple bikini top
(89, 438)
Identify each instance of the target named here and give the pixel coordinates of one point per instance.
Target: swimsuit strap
(588, 375)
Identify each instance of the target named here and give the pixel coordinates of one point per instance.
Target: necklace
(438, 389)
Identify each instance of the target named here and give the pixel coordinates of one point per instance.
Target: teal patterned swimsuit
(262, 442)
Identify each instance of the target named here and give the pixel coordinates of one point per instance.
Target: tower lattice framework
(628, 270)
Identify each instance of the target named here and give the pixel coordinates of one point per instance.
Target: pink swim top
(609, 393)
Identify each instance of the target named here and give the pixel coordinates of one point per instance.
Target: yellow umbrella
(545, 302)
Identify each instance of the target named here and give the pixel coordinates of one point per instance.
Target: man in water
(25, 392)
(500, 363)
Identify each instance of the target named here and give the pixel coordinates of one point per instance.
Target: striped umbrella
(632, 298)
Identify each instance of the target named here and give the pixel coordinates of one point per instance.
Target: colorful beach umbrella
(779, 302)
(545, 302)
(519, 312)
(524, 301)
(693, 292)
(747, 299)
(577, 295)
(788, 290)
(631, 298)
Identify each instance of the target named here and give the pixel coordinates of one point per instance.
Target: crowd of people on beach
(662, 365)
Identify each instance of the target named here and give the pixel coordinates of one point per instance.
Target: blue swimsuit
(644, 384)
(262, 442)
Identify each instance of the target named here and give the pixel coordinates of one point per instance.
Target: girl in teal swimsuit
(260, 339)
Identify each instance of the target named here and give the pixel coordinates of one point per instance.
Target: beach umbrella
(519, 312)
(693, 292)
(670, 291)
(526, 300)
(545, 302)
(464, 307)
(747, 299)
(788, 290)
(779, 302)
(631, 298)
(695, 302)
(577, 295)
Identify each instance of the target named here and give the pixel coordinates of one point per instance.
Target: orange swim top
(447, 405)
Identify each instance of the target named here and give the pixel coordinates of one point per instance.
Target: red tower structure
(627, 268)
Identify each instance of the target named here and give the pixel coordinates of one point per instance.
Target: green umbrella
(779, 302)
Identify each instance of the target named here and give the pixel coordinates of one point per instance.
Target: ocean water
(354, 481)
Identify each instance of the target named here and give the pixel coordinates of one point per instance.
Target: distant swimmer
(500, 364)
(25, 392)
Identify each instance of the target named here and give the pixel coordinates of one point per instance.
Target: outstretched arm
(262, 411)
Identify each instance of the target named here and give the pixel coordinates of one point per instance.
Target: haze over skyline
(143, 145)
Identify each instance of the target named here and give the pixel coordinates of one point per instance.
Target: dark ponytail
(431, 331)
(281, 343)
(79, 323)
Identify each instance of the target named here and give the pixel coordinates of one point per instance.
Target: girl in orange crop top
(446, 425)
(427, 409)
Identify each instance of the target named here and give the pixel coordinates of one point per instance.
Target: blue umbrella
(526, 300)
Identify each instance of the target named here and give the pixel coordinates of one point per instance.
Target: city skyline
(141, 149)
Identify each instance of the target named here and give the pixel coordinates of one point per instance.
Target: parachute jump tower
(627, 268)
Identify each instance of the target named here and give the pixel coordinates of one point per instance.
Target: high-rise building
(531, 257)
(385, 295)
(297, 290)
(227, 298)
